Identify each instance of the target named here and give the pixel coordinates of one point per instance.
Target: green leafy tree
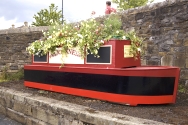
(126, 4)
(48, 17)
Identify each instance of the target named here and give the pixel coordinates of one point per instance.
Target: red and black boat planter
(132, 86)
(115, 77)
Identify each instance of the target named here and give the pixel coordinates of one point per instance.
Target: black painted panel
(104, 53)
(105, 83)
(40, 58)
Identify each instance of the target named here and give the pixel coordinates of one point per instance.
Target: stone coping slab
(31, 109)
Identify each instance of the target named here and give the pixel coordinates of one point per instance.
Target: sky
(18, 11)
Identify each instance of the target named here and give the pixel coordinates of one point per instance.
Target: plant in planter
(87, 36)
(57, 36)
(136, 43)
(113, 26)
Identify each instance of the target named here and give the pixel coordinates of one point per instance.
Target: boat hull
(130, 86)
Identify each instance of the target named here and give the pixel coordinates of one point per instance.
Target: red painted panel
(117, 98)
(118, 60)
(156, 71)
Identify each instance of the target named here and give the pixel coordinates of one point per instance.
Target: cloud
(8, 24)
(81, 9)
(18, 11)
(73, 10)
(22, 10)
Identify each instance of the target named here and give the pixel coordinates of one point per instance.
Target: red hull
(112, 97)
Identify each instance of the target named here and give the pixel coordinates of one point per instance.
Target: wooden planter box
(113, 54)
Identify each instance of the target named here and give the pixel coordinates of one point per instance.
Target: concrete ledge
(37, 110)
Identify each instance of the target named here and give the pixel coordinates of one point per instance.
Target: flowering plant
(87, 36)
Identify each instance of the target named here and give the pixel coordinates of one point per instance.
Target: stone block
(23, 108)
(19, 98)
(75, 122)
(179, 60)
(153, 62)
(87, 118)
(143, 62)
(186, 41)
(186, 51)
(32, 121)
(16, 116)
(9, 100)
(167, 60)
(186, 63)
(162, 53)
(3, 110)
(66, 122)
(45, 116)
(2, 102)
(184, 74)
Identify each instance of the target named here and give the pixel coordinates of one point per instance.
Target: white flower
(124, 37)
(117, 31)
(139, 49)
(102, 41)
(79, 35)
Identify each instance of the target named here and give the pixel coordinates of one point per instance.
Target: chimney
(26, 24)
(13, 26)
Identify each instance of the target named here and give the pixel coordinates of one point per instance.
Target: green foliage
(90, 37)
(182, 88)
(113, 26)
(48, 17)
(136, 43)
(6, 76)
(126, 4)
(86, 37)
(19, 75)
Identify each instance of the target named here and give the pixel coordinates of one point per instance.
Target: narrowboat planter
(113, 54)
(115, 76)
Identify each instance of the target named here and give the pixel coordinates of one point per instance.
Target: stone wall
(165, 29)
(30, 109)
(13, 43)
(163, 25)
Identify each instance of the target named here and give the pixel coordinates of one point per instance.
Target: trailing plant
(113, 26)
(86, 36)
(136, 43)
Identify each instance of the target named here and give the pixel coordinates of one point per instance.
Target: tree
(126, 4)
(48, 17)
